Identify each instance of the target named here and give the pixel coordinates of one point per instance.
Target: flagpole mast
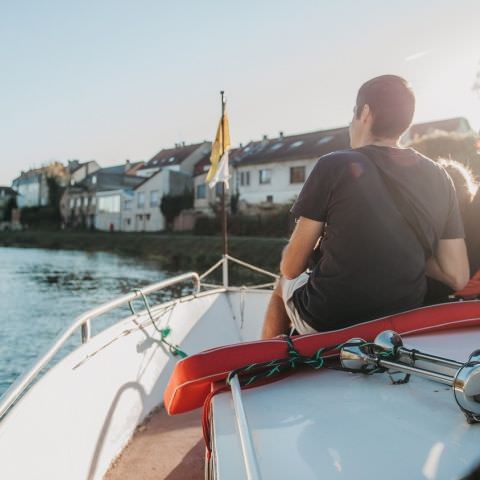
(223, 207)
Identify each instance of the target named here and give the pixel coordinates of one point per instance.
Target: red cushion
(472, 289)
(193, 376)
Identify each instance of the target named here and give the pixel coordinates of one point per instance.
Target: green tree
(462, 147)
(55, 191)
(172, 205)
(7, 214)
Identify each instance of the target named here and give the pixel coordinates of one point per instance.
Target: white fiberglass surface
(76, 419)
(330, 424)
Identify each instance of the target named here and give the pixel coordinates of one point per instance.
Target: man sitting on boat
(387, 217)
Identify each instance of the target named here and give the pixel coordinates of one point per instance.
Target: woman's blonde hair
(463, 178)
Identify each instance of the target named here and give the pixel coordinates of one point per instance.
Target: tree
(172, 205)
(234, 200)
(55, 191)
(462, 147)
(11, 204)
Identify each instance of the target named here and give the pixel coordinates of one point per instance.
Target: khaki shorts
(288, 287)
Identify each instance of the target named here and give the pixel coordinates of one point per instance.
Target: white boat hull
(82, 412)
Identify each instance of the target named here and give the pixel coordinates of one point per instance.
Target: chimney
(183, 144)
(280, 134)
(265, 138)
(240, 145)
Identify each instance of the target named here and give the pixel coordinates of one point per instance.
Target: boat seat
(194, 376)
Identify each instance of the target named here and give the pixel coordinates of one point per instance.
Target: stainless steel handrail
(83, 321)
(223, 262)
(250, 459)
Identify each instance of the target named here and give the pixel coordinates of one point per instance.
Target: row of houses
(128, 196)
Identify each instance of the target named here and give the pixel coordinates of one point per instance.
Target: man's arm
(298, 250)
(450, 263)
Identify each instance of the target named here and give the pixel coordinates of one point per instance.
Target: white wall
(203, 204)
(148, 218)
(279, 187)
(109, 210)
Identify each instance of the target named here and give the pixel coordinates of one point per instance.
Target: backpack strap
(403, 205)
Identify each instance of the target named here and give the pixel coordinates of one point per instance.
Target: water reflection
(42, 291)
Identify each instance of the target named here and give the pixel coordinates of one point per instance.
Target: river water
(42, 291)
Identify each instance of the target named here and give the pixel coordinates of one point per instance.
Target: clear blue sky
(116, 79)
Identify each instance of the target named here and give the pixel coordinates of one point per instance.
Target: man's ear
(366, 113)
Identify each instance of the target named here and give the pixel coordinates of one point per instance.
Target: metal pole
(252, 469)
(223, 206)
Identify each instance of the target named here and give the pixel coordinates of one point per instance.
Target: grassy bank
(172, 252)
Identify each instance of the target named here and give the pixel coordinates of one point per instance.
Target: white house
(32, 185)
(79, 171)
(141, 211)
(274, 170)
(109, 211)
(204, 196)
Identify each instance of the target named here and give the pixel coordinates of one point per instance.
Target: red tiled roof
(293, 147)
(171, 156)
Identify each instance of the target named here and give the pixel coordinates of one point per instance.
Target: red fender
(192, 379)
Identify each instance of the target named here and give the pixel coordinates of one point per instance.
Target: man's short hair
(392, 103)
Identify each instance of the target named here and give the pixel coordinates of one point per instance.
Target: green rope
(270, 368)
(164, 332)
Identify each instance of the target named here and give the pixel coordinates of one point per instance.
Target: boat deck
(163, 448)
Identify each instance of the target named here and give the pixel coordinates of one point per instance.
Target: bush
(278, 223)
(40, 217)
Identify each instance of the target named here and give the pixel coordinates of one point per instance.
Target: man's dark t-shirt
(371, 260)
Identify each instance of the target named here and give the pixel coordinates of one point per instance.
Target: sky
(111, 80)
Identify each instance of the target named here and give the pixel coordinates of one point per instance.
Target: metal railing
(249, 458)
(223, 262)
(83, 321)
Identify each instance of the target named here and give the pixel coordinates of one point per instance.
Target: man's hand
(302, 242)
(450, 264)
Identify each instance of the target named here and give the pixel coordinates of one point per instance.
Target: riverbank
(172, 252)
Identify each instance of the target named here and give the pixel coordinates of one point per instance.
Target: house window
(218, 189)
(244, 178)
(94, 200)
(270, 198)
(147, 216)
(154, 198)
(127, 221)
(72, 202)
(85, 201)
(297, 174)
(109, 204)
(201, 191)
(141, 199)
(264, 176)
(127, 204)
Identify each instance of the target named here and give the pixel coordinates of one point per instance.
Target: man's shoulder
(430, 166)
(339, 157)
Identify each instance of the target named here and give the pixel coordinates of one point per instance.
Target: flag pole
(223, 206)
